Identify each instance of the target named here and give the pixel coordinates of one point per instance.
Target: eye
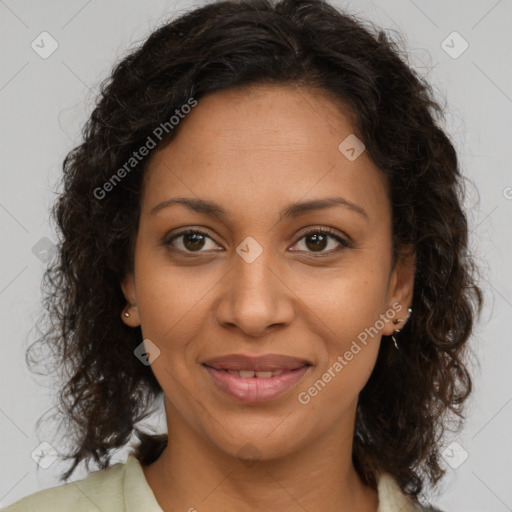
(191, 240)
(316, 240)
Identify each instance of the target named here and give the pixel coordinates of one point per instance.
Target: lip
(263, 363)
(256, 389)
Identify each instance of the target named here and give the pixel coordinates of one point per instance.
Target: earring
(399, 321)
(396, 331)
(127, 314)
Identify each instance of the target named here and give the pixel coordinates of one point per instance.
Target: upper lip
(264, 363)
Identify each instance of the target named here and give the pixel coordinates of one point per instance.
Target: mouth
(252, 373)
(262, 363)
(250, 386)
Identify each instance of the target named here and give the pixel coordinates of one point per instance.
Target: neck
(192, 473)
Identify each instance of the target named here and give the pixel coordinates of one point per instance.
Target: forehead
(264, 145)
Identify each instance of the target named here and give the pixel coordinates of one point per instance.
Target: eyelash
(315, 231)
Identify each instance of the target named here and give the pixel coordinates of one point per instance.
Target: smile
(252, 387)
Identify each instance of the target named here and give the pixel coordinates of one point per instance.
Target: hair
(403, 409)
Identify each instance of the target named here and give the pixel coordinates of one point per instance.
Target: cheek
(348, 306)
(347, 351)
(169, 297)
(351, 297)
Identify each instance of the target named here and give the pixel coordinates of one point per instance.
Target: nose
(255, 297)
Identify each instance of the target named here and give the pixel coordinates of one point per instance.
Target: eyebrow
(292, 211)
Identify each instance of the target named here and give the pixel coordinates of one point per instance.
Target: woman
(263, 225)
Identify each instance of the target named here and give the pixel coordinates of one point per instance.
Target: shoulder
(100, 490)
(392, 499)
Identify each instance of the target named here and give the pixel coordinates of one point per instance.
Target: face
(313, 282)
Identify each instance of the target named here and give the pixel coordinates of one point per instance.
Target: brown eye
(189, 241)
(193, 241)
(317, 240)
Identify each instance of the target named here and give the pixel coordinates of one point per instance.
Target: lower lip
(256, 389)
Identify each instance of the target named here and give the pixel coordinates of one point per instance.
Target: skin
(254, 151)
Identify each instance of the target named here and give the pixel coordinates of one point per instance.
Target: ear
(401, 288)
(128, 287)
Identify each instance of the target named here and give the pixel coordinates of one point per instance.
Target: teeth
(264, 375)
(250, 373)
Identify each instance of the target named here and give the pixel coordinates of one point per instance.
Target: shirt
(123, 488)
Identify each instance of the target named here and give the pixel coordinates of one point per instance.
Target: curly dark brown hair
(404, 407)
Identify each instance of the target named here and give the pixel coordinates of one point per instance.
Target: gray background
(44, 102)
